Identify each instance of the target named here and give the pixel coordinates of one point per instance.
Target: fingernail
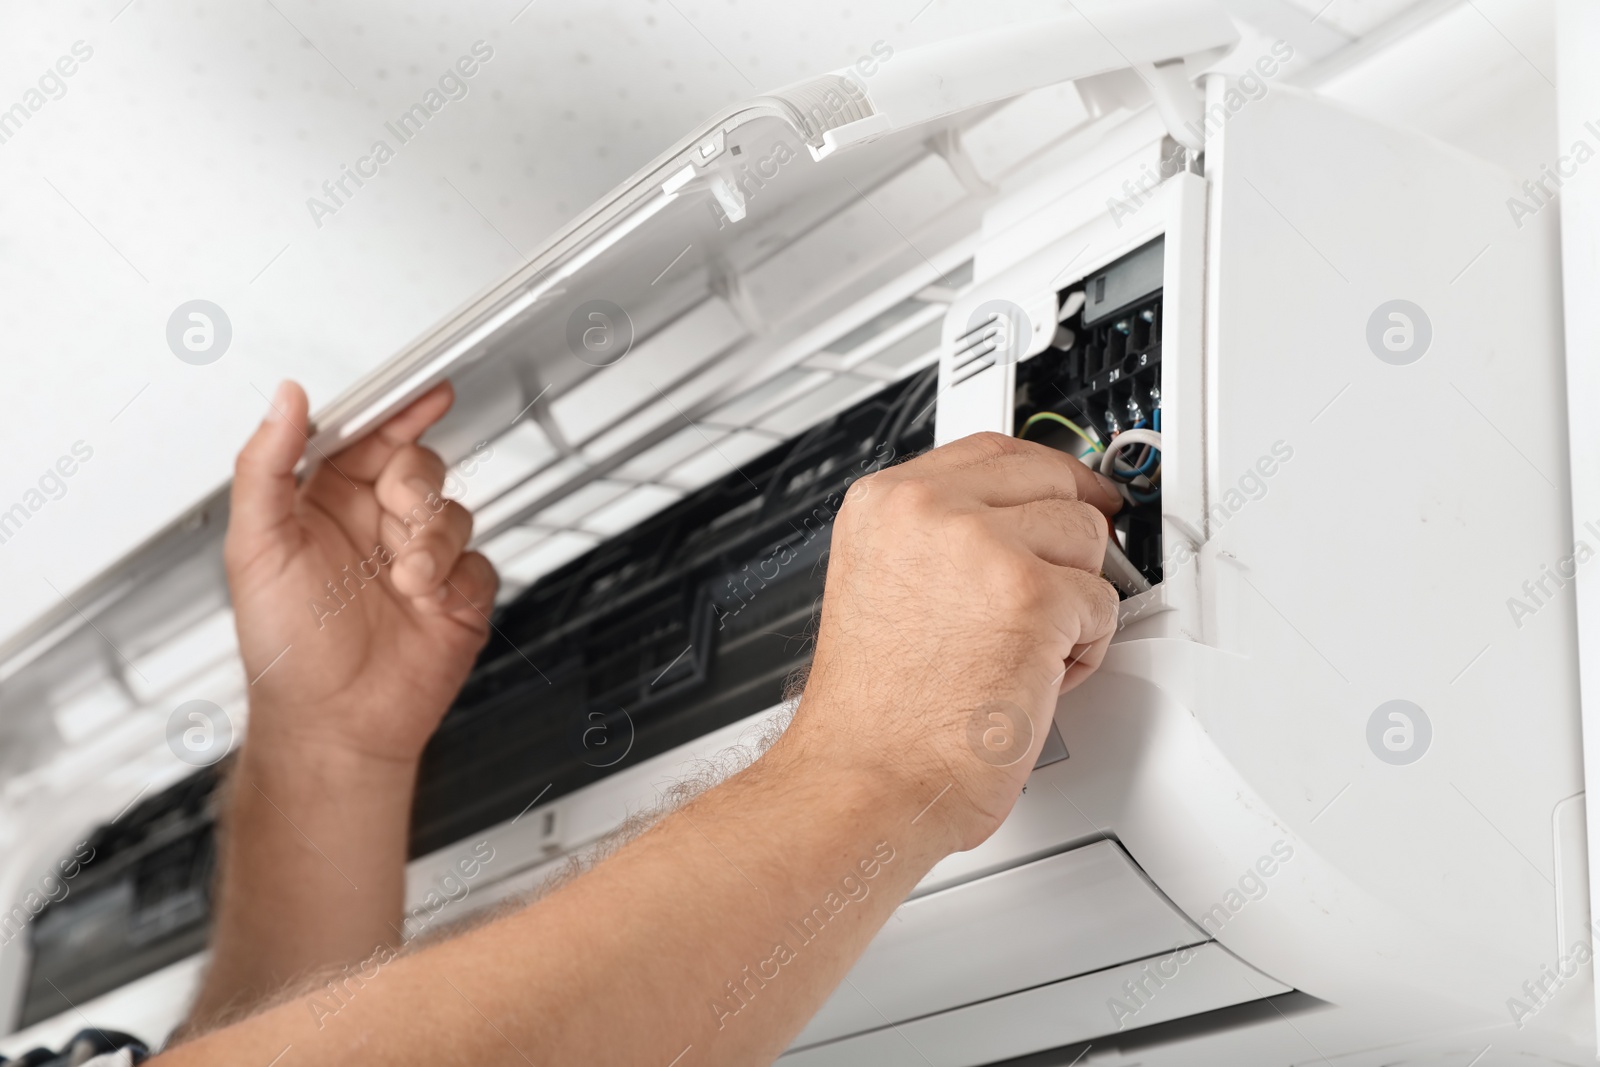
(1108, 485)
(442, 592)
(280, 401)
(421, 487)
(419, 566)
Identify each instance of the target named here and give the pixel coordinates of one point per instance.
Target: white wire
(1123, 440)
(1116, 445)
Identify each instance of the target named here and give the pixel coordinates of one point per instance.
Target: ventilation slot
(975, 349)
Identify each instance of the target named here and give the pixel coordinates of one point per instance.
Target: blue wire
(1145, 468)
(1149, 464)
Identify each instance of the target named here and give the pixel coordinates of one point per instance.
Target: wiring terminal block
(1095, 393)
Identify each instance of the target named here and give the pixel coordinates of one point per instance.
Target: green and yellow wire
(1050, 416)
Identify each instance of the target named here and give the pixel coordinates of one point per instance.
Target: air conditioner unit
(1323, 802)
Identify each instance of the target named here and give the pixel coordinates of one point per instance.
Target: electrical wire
(1050, 416)
(1123, 440)
(1134, 494)
(911, 405)
(1108, 462)
(1147, 463)
(1146, 460)
(1147, 468)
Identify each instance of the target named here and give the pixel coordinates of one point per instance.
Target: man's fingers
(435, 544)
(1084, 661)
(426, 531)
(467, 594)
(1082, 606)
(365, 459)
(263, 475)
(1003, 472)
(1067, 533)
(411, 476)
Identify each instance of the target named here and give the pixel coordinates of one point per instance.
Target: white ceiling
(178, 161)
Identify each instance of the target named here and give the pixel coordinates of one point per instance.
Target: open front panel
(732, 309)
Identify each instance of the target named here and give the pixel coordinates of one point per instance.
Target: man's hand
(359, 616)
(963, 597)
(960, 582)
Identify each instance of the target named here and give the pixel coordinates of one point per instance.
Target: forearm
(723, 928)
(312, 868)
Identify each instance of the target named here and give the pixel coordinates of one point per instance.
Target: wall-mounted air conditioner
(1320, 798)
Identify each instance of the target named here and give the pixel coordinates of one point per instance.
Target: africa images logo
(452, 85)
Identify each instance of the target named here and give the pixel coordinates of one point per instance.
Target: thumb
(263, 475)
